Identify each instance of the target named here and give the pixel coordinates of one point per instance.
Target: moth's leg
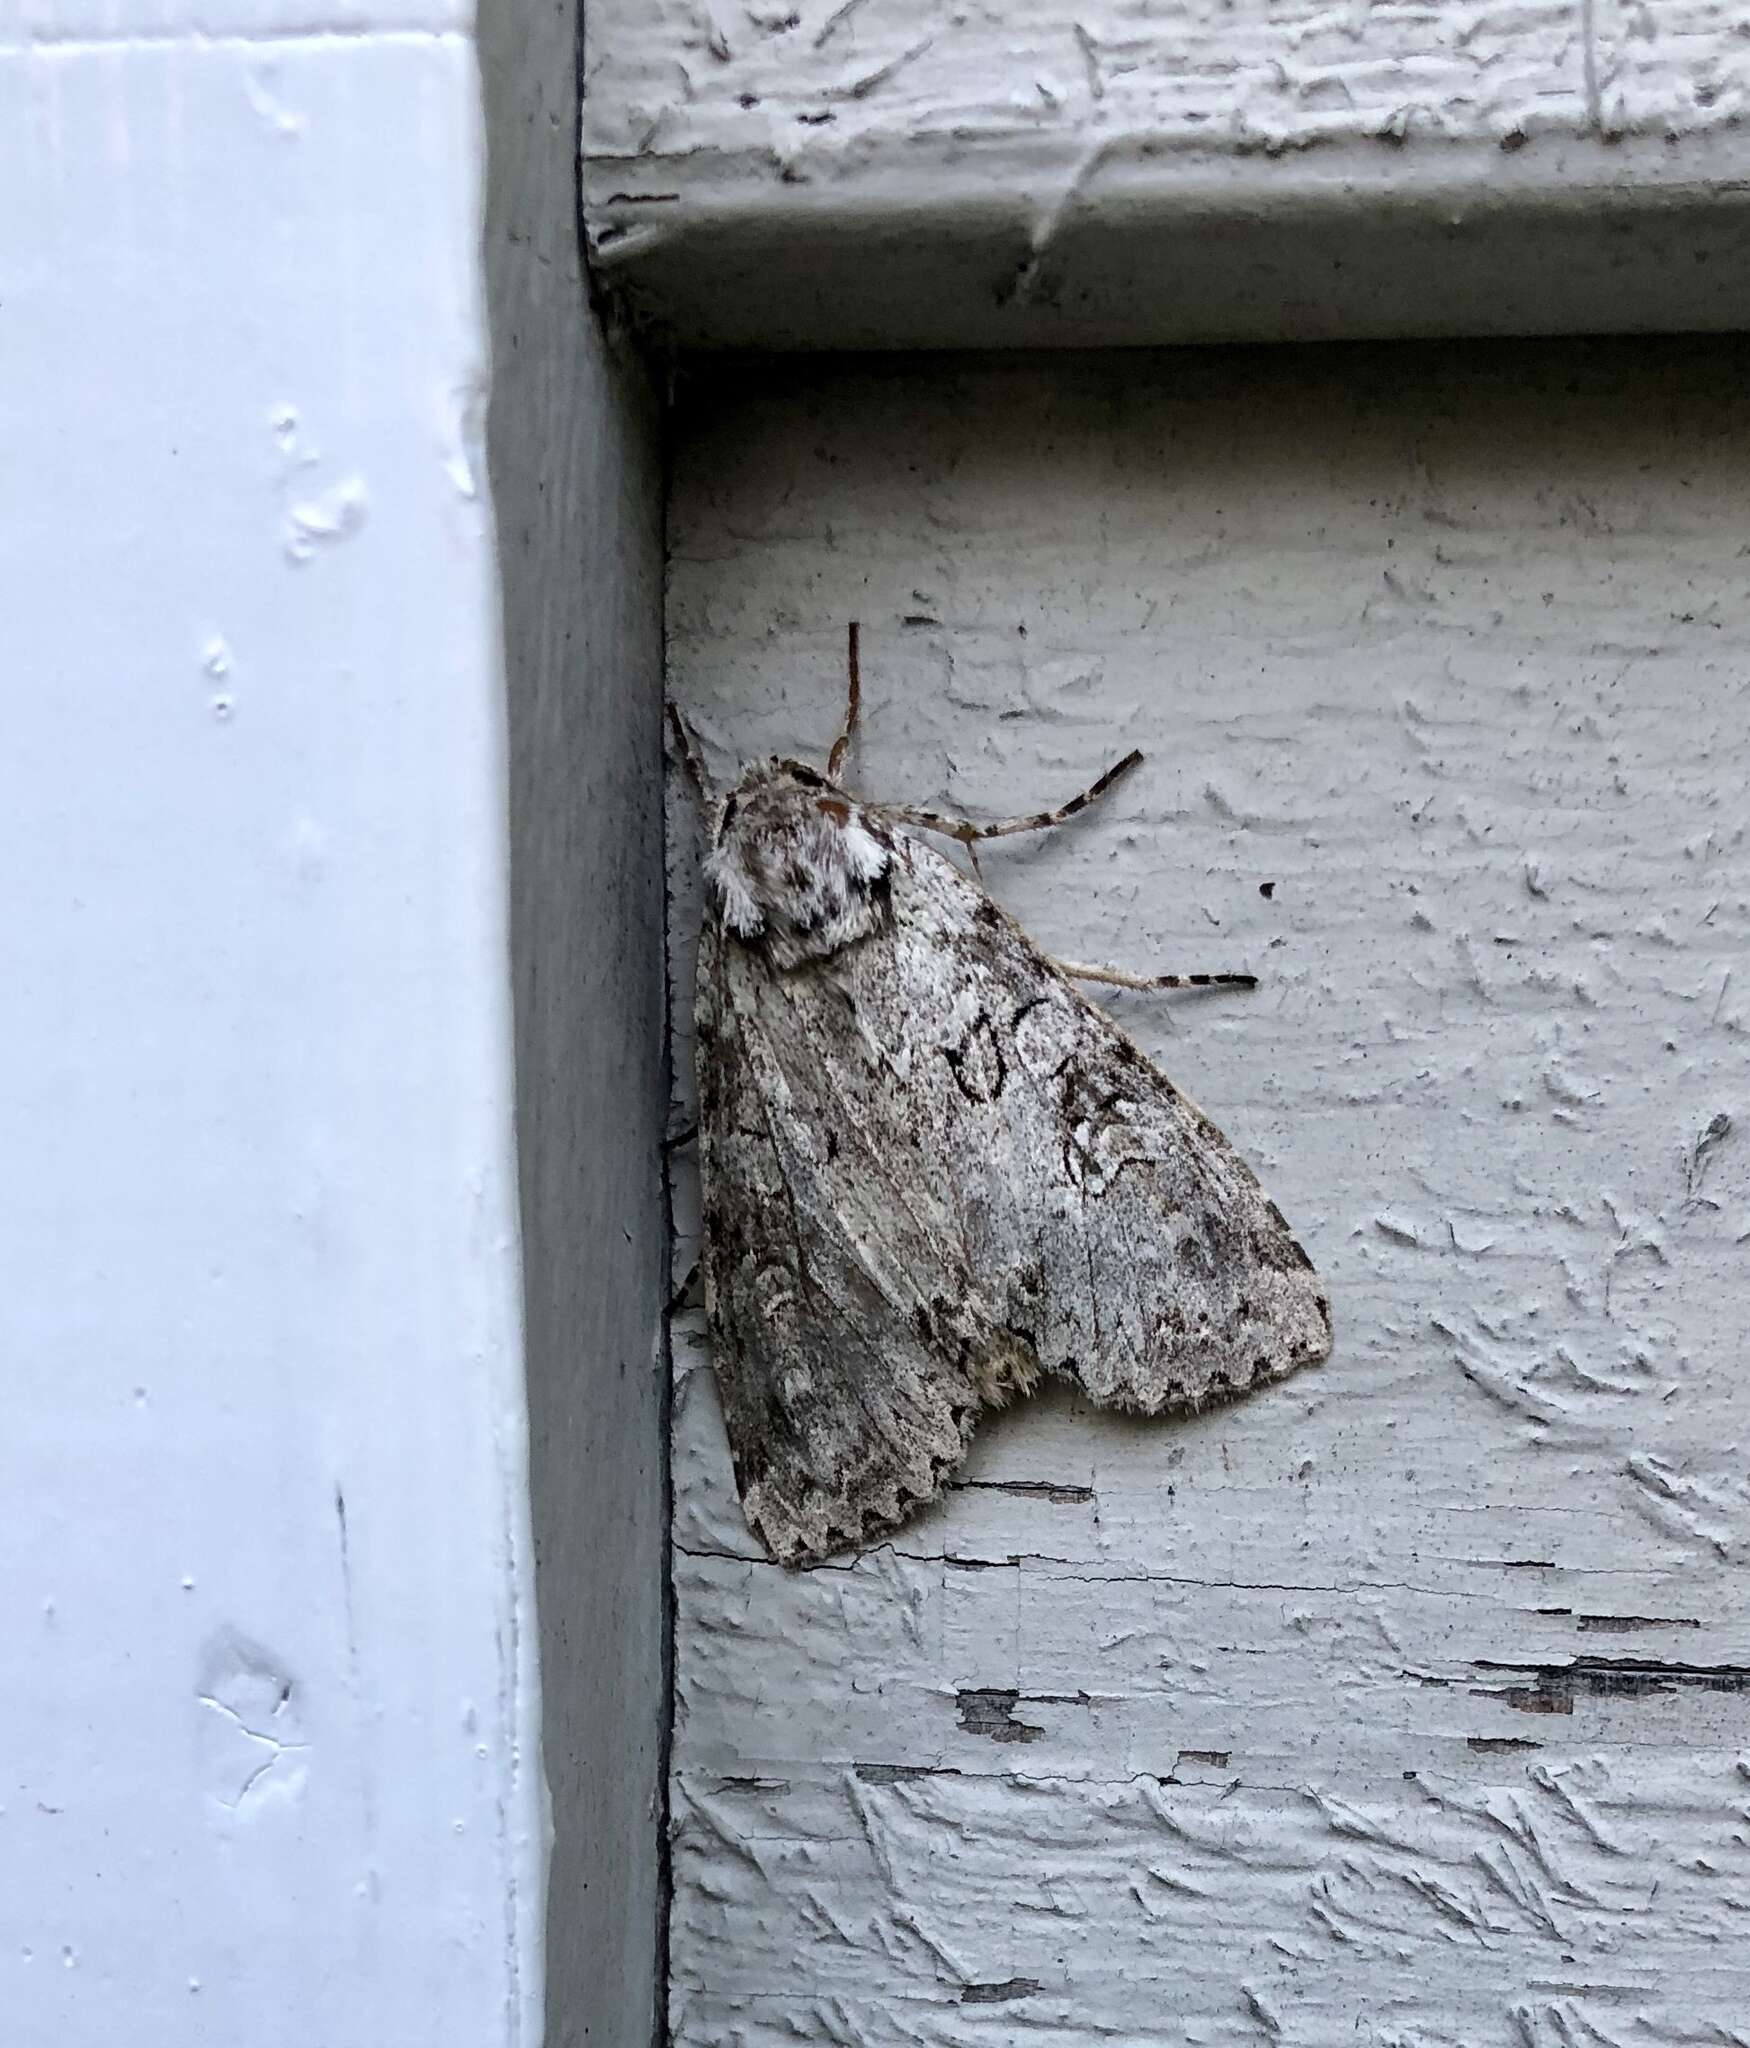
(967, 830)
(1115, 977)
(835, 761)
(691, 758)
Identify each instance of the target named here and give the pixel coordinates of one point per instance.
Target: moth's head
(796, 865)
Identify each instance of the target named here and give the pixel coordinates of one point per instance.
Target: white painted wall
(268, 1765)
(1408, 1703)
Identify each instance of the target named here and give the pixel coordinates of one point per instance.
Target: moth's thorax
(797, 866)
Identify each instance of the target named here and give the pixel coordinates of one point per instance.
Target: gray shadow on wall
(574, 457)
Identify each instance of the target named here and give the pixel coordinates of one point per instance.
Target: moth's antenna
(691, 758)
(835, 761)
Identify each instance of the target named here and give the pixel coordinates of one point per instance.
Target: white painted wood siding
(671, 76)
(900, 173)
(1409, 1702)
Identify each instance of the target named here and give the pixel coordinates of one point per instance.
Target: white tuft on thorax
(798, 866)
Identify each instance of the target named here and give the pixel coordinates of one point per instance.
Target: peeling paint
(1004, 1993)
(1414, 1705)
(992, 1713)
(1553, 1688)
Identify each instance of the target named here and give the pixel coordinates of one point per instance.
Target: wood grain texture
(1411, 1703)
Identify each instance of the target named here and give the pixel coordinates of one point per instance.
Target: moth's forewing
(933, 1169)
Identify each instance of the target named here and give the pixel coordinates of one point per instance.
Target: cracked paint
(1414, 1704)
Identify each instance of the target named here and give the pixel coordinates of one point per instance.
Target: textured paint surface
(1407, 1702)
(891, 172)
(267, 1702)
(1287, 74)
(577, 497)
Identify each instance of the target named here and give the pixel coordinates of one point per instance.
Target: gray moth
(932, 1171)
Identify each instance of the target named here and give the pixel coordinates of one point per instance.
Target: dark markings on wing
(931, 1170)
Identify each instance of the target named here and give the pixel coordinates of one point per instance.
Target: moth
(933, 1171)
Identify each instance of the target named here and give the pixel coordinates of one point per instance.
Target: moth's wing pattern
(850, 1356)
(931, 1169)
(1126, 1242)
